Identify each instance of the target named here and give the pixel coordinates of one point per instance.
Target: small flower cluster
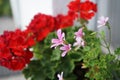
(60, 41)
(85, 10)
(79, 38)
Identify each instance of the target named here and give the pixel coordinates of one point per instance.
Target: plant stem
(107, 45)
(109, 28)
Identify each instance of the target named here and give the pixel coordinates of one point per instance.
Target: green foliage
(117, 51)
(5, 8)
(83, 63)
(56, 55)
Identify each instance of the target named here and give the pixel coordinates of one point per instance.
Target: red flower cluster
(42, 24)
(14, 53)
(63, 21)
(86, 9)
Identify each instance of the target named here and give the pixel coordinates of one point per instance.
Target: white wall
(28, 8)
(24, 10)
(114, 15)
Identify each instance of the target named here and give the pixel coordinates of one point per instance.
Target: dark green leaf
(56, 54)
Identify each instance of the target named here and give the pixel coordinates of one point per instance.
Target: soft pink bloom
(65, 48)
(79, 33)
(79, 38)
(102, 21)
(60, 76)
(60, 40)
(79, 42)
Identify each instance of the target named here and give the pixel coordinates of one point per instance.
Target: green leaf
(26, 73)
(117, 51)
(48, 39)
(67, 65)
(38, 76)
(50, 72)
(70, 37)
(71, 77)
(33, 72)
(56, 55)
(76, 56)
(93, 33)
(86, 48)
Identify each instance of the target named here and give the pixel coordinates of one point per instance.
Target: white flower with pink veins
(102, 21)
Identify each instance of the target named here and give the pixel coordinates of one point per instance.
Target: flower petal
(102, 21)
(63, 36)
(58, 75)
(63, 48)
(55, 40)
(59, 33)
(54, 45)
(64, 53)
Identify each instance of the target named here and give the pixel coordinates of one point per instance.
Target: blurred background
(5, 16)
(7, 23)
(5, 9)
(18, 13)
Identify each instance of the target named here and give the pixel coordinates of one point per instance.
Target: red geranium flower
(86, 9)
(74, 5)
(14, 53)
(41, 26)
(63, 21)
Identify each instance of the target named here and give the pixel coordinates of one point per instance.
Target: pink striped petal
(64, 53)
(55, 40)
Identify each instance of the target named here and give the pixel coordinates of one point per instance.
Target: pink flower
(79, 42)
(65, 48)
(60, 40)
(78, 37)
(79, 33)
(102, 21)
(60, 76)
